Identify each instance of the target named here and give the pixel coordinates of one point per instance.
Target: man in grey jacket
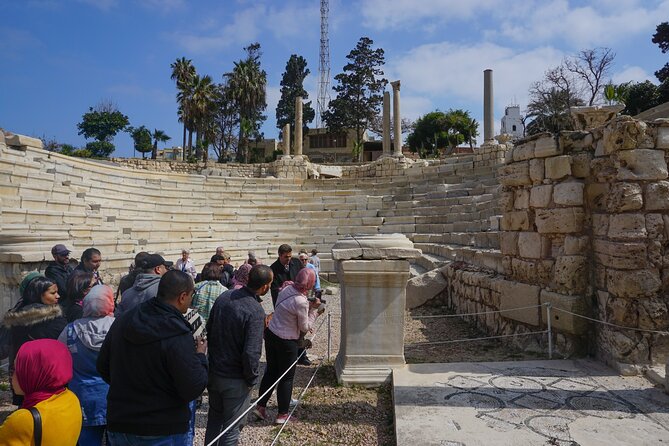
(152, 268)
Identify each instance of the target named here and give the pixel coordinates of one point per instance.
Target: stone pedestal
(372, 271)
(590, 117)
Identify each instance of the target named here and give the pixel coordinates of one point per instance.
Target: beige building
(321, 146)
(173, 153)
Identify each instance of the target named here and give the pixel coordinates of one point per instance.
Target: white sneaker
(293, 403)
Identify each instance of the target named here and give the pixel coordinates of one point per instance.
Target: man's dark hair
(215, 258)
(285, 248)
(314, 251)
(211, 271)
(259, 276)
(172, 284)
(88, 254)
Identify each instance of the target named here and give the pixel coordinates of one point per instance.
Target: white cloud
(632, 74)
(273, 96)
(414, 107)
(449, 72)
(384, 14)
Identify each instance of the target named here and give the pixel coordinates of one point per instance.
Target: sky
(60, 57)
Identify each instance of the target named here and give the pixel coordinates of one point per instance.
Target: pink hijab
(43, 368)
(304, 281)
(241, 277)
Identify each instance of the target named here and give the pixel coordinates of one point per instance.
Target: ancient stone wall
(585, 224)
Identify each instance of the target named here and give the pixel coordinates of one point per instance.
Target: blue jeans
(228, 399)
(190, 435)
(91, 435)
(122, 439)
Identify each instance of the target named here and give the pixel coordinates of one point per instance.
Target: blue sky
(60, 57)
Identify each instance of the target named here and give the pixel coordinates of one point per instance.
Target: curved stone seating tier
(50, 198)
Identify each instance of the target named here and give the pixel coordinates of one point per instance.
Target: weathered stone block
(515, 221)
(596, 195)
(619, 311)
(580, 164)
(657, 195)
(561, 221)
(564, 321)
(537, 170)
(620, 255)
(600, 224)
(516, 295)
(662, 137)
(524, 270)
(568, 194)
(570, 274)
(621, 135)
(574, 245)
(655, 226)
(642, 164)
(624, 197)
(422, 288)
(558, 167)
(516, 174)
(633, 284)
(521, 199)
(523, 152)
(532, 245)
(627, 226)
(508, 243)
(540, 196)
(653, 314)
(546, 146)
(506, 201)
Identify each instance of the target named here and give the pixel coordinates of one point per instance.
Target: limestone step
(488, 258)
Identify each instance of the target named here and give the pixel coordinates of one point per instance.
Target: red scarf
(43, 368)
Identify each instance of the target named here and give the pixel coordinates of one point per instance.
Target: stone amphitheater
(579, 219)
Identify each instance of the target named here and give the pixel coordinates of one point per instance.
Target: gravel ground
(330, 414)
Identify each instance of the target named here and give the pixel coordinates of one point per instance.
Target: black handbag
(37, 426)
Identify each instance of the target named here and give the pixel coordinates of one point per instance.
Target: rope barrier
(266, 392)
(477, 313)
(612, 325)
(416, 344)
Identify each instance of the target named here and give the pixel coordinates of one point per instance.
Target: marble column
(372, 271)
(386, 123)
(298, 125)
(397, 119)
(286, 139)
(488, 112)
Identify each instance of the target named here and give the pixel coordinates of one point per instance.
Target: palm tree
(202, 102)
(158, 136)
(248, 85)
(183, 73)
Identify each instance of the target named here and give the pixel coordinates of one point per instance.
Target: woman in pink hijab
(41, 370)
(294, 316)
(241, 277)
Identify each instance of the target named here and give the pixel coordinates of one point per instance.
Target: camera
(317, 295)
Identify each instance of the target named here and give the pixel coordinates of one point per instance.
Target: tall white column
(488, 112)
(397, 119)
(298, 125)
(386, 123)
(286, 139)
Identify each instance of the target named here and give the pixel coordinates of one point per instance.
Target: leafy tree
(550, 100)
(102, 124)
(640, 96)
(437, 130)
(158, 136)
(183, 72)
(223, 129)
(70, 150)
(292, 86)
(248, 88)
(142, 138)
(616, 93)
(99, 149)
(661, 39)
(202, 103)
(359, 91)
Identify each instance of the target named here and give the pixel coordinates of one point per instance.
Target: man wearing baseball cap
(59, 270)
(151, 268)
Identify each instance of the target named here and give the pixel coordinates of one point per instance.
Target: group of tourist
(93, 367)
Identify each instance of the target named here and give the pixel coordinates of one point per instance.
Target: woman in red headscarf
(293, 317)
(41, 370)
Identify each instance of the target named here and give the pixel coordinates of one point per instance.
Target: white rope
(612, 325)
(475, 339)
(299, 399)
(473, 314)
(230, 426)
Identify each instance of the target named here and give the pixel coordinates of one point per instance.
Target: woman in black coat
(38, 316)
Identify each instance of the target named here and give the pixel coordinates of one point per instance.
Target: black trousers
(280, 354)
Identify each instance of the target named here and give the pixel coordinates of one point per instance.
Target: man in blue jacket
(153, 367)
(235, 327)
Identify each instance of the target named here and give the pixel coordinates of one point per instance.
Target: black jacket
(59, 274)
(235, 328)
(281, 275)
(33, 321)
(149, 360)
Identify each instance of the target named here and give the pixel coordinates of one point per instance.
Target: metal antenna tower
(323, 66)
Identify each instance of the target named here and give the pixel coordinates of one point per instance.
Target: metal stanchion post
(329, 337)
(549, 330)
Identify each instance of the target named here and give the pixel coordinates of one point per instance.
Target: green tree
(183, 72)
(359, 91)
(292, 86)
(437, 130)
(201, 104)
(158, 136)
(142, 138)
(640, 96)
(248, 88)
(102, 124)
(661, 39)
(223, 130)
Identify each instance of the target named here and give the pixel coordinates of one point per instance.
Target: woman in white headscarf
(84, 338)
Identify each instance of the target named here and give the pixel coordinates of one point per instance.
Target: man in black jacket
(60, 269)
(235, 327)
(153, 367)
